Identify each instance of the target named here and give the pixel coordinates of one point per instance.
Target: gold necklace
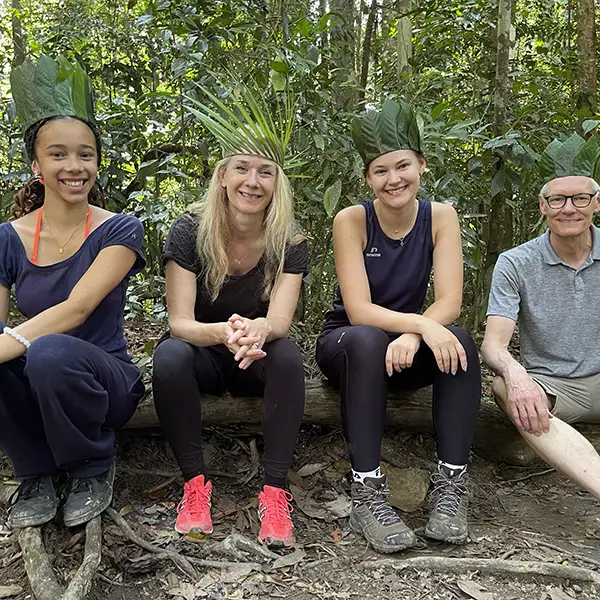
(237, 261)
(61, 248)
(401, 239)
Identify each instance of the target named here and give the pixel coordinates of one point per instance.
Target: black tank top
(398, 271)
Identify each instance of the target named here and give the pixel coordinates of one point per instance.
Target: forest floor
(519, 519)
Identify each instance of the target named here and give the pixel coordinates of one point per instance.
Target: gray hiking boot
(88, 497)
(450, 501)
(36, 503)
(373, 517)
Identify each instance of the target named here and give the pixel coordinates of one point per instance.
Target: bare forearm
(385, 319)
(444, 311)
(500, 360)
(277, 327)
(197, 334)
(60, 318)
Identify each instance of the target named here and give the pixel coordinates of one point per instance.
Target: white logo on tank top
(374, 253)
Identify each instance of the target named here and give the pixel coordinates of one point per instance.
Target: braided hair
(31, 196)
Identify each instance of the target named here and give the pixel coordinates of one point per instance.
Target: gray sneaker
(88, 497)
(36, 503)
(450, 501)
(373, 517)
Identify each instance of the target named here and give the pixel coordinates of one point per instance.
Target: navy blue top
(38, 288)
(398, 270)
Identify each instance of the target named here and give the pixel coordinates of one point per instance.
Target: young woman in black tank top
(377, 335)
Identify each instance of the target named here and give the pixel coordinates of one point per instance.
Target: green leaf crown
(394, 127)
(246, 125)
(51, 88)
(573, 156)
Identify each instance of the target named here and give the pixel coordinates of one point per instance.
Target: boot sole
(382, 548)
(196, 530)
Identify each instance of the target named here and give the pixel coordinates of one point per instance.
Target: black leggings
(353, 360)
(183, 372)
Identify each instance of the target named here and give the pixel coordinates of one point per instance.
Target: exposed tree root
(492, 566)
(180, 561)
(39, 571)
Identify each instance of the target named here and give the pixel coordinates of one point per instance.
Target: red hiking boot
(274, 510)
(193, 512)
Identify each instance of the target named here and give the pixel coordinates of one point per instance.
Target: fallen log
(496, 438)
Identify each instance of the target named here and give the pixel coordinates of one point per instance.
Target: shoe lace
(276, 504)
(196, 499)
(28, 488)
(376, 500)
(448, 492)
(81, 485)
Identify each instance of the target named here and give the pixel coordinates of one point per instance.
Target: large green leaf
(46, 72)
(583, 164)
(565, 157)
(23, 92)
(332, 197)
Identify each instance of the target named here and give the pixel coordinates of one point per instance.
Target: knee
(466, 341)
(284, 354)
(363, 342)
(172, 359)
(50, 355)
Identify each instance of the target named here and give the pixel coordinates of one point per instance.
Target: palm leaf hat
(245, 123)
(394, 127)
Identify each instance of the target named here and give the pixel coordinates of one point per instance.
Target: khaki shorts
(575, 400)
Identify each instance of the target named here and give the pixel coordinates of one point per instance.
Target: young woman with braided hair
(66, 380)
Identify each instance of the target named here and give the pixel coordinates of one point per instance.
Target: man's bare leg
(563, 447)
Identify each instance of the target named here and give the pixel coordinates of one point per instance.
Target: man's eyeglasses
(578, 200)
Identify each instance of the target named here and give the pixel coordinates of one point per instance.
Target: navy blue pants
(61, 404)
(353, 360)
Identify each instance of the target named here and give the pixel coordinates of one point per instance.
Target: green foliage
(147, 58)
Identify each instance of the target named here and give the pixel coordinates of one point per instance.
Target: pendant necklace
(61, 247)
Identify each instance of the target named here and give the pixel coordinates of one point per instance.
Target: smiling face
(395, 177)
(249, 182)
(66, 158)
(569, 221)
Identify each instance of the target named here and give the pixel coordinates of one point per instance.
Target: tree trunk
(499, 234)
(19, 50)
(342, 42)
(366, 50)
(586, 50)
(404, 41)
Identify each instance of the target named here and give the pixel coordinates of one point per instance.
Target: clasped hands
(245, 338)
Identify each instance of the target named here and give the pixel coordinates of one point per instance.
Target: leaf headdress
(245, 124)
(573, 156)
(51, 88)
(394, 127)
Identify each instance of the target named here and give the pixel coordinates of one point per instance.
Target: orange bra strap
(87, 224)
(36, 239)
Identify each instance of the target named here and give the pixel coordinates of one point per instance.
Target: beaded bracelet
(17, 337)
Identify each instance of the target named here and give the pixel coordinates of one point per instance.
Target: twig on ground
(178, 559)
(37, 565)
(524, 477)
(111, 582)
(492, 566)
(161, 486)
(170, 474)
(573, 555)
(235, 542)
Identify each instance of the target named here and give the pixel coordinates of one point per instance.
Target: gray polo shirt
(555, 304)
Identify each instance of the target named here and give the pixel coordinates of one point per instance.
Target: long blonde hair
(215, 235)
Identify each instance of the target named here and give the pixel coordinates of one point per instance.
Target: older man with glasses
(550, 286)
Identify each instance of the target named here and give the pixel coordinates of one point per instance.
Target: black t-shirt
(240, 294)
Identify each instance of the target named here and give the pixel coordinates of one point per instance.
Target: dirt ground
(514, 514)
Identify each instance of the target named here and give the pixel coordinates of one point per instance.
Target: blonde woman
(234, 268)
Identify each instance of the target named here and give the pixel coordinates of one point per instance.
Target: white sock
(359, 476)
(454, 469)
